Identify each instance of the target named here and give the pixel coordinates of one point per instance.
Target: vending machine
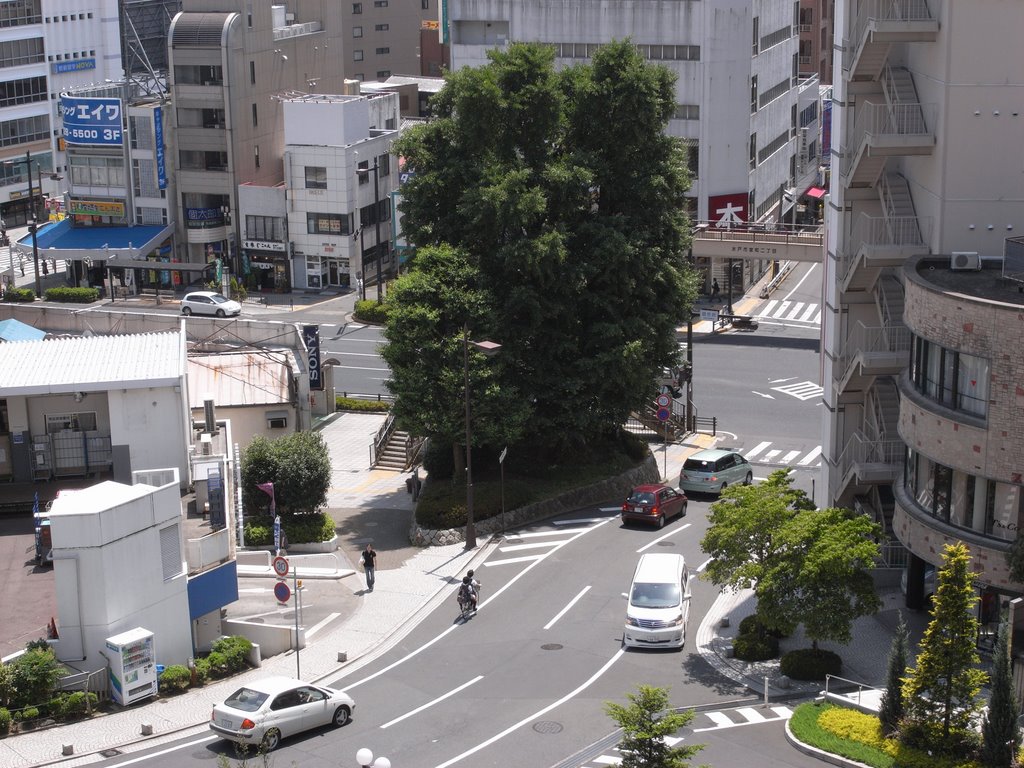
(132, 666)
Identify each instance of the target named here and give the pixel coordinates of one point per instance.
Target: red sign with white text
(728, 211)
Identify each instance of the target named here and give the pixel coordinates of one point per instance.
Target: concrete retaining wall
(611, 488)
(272, 640)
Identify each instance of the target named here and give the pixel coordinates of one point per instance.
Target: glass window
(357, 55)
(328, 224)
(972, 385)
(357, 31)
(1005, 513)
(316, 178)
(955, 380)
(357, 7)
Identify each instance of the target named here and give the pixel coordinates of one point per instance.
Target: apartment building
(391, 37)
(230, 69)
(45, 48)
(816, 39)
(922, 333)
(737, 88)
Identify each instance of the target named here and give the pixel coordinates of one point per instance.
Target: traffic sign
(664, 414)
(709, 314)
(282, 592)
(281, 566)
(664, 401)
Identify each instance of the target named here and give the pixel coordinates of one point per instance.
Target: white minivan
(659, 603)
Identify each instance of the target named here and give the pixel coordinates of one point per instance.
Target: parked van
(659, 603)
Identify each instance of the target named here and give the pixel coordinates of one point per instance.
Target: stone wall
(612, 488)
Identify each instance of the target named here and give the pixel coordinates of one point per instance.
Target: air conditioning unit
(965, 260)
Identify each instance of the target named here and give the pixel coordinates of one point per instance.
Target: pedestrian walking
(21, 263)
(369, 565)
(714, 289)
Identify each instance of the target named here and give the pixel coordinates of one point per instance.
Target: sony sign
(311, 336)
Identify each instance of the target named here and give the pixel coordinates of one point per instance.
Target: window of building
(953, 379)
(753, 94)
(266, 228)
(384, 165)
(26, 91)
(316, 177)
(757, 35)
(89, 171)
(255, 117)
(357, 31)
(687, 112)
(380, 3)
(329, 224)
(381, 27)
(425, 5)
(360, 76)
(383, 74)
(357, 7)
(256, 155)
(14, 53)
(357, 55)
(753, 151)
(363, 171)
(20, 13)
(252, 72)
(383, 51)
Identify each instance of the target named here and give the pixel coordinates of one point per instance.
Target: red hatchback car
(654, 503)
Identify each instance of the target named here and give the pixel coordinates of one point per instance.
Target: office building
(391, 37)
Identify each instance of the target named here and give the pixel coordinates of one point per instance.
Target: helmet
(465, 579)
(470, 573)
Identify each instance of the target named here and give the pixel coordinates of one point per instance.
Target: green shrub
(441, 519)
(35, 675)
(753, 625)
(438, 460)
(234, 649)
(202, 671)
(19, 295)
(755, 648)
(217, 664)
(371, 311)
(69, 295)
(300, 529)
(5, 721)
(811, 664)
(69, 706)
(27, 713)
(175, 678)
(364, 406)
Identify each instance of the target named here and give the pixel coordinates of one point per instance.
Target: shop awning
(816, 192)
(120, 245)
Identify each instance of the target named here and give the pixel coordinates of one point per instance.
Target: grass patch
(858, 736)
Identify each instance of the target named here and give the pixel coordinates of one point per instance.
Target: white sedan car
(260, 714)
(209, 303)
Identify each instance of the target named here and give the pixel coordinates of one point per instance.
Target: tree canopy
(806, 566)
(548, 211)
(298, 465)
(646, 724)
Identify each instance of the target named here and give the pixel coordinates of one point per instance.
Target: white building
(736, 92)
(922, 422)
(339, 175)
(45, 48)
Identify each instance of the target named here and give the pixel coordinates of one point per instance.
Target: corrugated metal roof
(239, 378)
(91, 363)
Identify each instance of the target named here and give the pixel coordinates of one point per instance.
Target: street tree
(298, 465)
(646, 723)
(548, 213)
(1000, 734)
(890, 712)
(806, 566)
(941, 692)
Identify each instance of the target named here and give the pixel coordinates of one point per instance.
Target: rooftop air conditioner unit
(965, 260)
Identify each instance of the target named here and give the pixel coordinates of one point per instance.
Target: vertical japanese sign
(158, 135)
(311, 335)
(91, 121)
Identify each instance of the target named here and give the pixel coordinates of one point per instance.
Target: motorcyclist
(475, 582)
(467, 593)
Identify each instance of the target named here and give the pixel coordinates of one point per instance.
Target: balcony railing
(874, 11)
(864, 341)
(890, 231)
(212, 549)
(881, 124)
(872, 461)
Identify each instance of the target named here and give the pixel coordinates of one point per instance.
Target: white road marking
(771, 455)
(167, 751)
(767, 311)
(429, 704)
(572, 602)
(797, 286)
(321, 624)
(607, 509)
(761, 394)
(532, 534)
(811, 309)
(512, 560)
(756, 449)
(751, 714)
(720, 719)
(520, 547)
(789, 457)
(670, 533)
(705, 564)
(796, 311)
(780, 381)
(535, 715)
(810, 457)
(607, 760)
(583, 520)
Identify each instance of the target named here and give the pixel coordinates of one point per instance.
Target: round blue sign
(282, 592)
(663, 414)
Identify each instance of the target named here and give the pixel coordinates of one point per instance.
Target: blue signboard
(158, 131)
(200, 218)
(72, 66)
(91, 121)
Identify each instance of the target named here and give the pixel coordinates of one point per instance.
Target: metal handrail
(866, 339)
(869, 11)
(381, 440)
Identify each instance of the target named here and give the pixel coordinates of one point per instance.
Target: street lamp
(365, 759)
(488, 348)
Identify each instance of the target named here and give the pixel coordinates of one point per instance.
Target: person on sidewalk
(21, 263)
(369, 565)
(714, 289)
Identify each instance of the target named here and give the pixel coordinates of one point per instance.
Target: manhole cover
(551, 647)
(547, 726)
(111, 752)
(666, 543)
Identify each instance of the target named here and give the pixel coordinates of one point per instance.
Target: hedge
(5, 721)
(19, 295)
(71, 295)
(370, 311)
(352, 404)
(175, 678)
(300, 529)
(811, 664)
(755, 648)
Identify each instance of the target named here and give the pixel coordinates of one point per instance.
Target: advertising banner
(202, 218)
(158, 133)
(728, 211)
(96, 208)
(311, 335)
(91, 121)
(79, 65)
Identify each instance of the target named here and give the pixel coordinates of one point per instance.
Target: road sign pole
(295, 586)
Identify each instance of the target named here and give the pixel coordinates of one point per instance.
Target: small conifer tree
(647, 723)
(891, 710)
(1000, 736)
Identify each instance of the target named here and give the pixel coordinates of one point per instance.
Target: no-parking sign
(282, 592)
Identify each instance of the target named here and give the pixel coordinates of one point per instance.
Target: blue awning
(62, 240)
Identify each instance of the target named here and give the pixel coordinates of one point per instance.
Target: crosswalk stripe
(789, 457)
(810, 457)
(811, 309)
(672, 740)
(796, 311)
(511, 560)
(607, 760)
(537, 545)
(771, 455)
(532, 534)
(767, 311)
(784, 712)
(757, 449)
(751, 715)
(719, 718)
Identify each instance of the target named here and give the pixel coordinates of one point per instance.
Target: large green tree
(646, 724)
(941, 692)
(298, 465)
(548, 213)
(1000, 734)
(806, 566)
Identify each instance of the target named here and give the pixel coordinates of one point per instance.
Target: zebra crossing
(527, 546)
(804, 314)
(765, 453)
(713, 720)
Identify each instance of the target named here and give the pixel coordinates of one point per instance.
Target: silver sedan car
(260, 714)
(209, 303)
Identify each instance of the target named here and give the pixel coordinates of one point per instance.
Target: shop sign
(58, 67)
(263, 245)
(91, 120)
(727, 211)
(203, 218)
(261, 264)
(95, 208)
(158, 130)
(311, 335)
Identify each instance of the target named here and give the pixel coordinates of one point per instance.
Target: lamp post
(365, 759)
(489, 348)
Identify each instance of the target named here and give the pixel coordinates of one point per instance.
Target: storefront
(265, 266)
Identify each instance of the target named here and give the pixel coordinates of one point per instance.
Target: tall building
(391, 37)
(229, 71)
(923, 339)
(45, 48)
(737, 89)
(816, 39)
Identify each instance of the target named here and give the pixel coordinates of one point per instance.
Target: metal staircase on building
(886, 408)
(889, 298)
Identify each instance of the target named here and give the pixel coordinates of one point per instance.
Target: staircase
(887, 408)
(395, 452)
(647, 417)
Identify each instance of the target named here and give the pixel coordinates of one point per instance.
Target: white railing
(890, 231)
(860, 451)
(863, 339)
(212, 549)
(874, 11)
(295, 30)
(881, 120)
